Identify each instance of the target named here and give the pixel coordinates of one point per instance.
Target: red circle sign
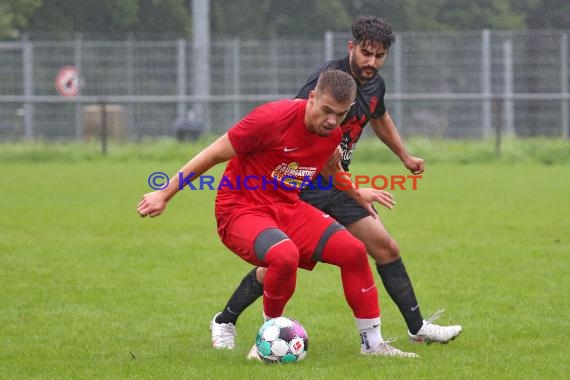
(67, 81)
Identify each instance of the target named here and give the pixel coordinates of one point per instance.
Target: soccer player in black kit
(367, 51)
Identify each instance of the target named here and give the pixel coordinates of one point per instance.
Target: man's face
(325, 113)
(366, 60)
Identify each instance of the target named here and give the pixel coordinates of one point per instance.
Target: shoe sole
(430, 341)
(415, 356)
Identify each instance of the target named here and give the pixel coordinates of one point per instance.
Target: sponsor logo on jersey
(292, 174)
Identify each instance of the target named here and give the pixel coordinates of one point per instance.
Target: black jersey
(369, 104)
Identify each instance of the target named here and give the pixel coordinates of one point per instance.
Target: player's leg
(251, 286)
(281, 255)
(385, 252)
(247, 292)
(223, 325)
(349, 254)
(329, 242)
(384, 249)
(381, 247)
(258, 240)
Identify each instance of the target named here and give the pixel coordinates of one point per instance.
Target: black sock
(245, 294)
(400, 289)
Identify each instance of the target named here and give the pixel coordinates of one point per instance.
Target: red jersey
(276, 155)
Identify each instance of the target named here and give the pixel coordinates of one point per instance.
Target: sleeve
(309, 85)
(255, 131)
(380, 108)
(311, 82)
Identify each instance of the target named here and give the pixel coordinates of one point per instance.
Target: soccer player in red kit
(271, 152)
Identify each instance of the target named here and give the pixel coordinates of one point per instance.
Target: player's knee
(389, 251)
(393, 249)
(284, 257)
(260, 274)
(384, 250)
(345, 250)
(356, 254)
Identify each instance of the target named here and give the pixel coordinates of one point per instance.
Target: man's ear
(312, 96)
(351, 45)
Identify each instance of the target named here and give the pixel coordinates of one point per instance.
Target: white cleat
(223, 334)
(385, 349)
(253, 354)
(431, 332)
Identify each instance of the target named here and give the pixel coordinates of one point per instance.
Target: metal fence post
(236, 76)
(201, 58)
(28, 84)
(329, 46)
(398, 113)
(78, 107)
(274, 57)
(104, 132)
(508, 90)
(564, 83)
(130, 77)
(181, 78)
(486, 82)
(495, 104)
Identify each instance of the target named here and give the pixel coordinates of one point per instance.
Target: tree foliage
(275, 18)
(108, 18)
(270, 18)
(544, 14)
(15, 15)
(480, 14)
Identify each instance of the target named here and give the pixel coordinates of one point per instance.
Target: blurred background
(70, 70)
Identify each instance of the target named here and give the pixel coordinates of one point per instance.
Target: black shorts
(334, 202)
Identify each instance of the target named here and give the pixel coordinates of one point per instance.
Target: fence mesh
(466, 84)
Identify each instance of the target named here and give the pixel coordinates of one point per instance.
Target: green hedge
(545, 151)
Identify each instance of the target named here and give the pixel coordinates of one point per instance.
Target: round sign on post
(67, 81)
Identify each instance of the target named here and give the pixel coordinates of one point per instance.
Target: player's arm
(385, 128)
(364, 197)
(221, 150)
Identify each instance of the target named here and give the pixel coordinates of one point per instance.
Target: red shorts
(301, 222)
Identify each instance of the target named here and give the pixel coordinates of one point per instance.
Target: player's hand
(333, 162)
(152, 204)
(366, 198)
(414, 164)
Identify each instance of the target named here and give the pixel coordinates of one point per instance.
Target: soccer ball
(282, 340)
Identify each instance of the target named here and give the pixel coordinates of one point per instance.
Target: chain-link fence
(462, 84)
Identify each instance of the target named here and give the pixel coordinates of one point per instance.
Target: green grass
(90, 290)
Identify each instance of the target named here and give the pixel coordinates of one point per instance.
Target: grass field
(90, 290)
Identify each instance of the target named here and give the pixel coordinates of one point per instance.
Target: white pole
(181, 78)
(508, 90)
(28, 64)
(236, 69)
(78, 107)
(398, 113)
(201, 57)
(564, 83)
(486, 82)
(329, 46)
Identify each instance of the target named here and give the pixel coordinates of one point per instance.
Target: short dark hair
(339, 84)
(374, 30)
